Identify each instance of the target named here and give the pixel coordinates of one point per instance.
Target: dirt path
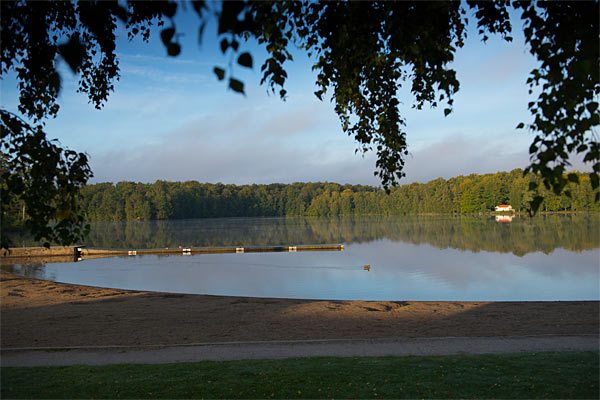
(36, 313)
(287, 349)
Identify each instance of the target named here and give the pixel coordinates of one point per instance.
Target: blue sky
(169, 118)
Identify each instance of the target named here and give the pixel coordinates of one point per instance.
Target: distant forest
(129, 201)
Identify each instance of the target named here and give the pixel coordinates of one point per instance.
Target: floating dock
(86, 252)
(19, 255)
(52, 251)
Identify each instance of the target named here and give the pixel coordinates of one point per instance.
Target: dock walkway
(19, 255)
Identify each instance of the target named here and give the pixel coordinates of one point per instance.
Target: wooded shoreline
(467, 195)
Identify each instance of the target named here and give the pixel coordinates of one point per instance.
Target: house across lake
(504, 207)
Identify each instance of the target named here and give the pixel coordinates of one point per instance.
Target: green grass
(525, 375)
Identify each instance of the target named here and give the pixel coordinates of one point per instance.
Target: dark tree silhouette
(364, 52)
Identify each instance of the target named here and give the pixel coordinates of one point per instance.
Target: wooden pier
(20, 255)
(86, 252)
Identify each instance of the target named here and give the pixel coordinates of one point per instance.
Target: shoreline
(6, 275)
(39, 313)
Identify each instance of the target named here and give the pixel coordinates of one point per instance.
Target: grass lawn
(523, 375)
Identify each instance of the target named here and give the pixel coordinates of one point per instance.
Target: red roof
(503, 205)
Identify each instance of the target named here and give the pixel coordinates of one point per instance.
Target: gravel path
(156, 354)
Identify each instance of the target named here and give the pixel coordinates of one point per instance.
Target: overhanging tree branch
(363, 53)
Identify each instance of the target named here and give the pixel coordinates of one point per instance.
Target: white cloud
(209, 161)
(164, 77)
(277, 148)
(137, 57)
(460, 155)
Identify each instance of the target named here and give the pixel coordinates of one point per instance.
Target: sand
(37, 313)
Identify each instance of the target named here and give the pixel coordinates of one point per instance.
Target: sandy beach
(37, 313)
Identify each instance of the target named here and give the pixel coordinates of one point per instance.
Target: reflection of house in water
(504, 207)
(504, 218)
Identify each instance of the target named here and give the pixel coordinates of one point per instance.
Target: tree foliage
(472, 194)
(363, 53)
(564, 39)
(45, 178)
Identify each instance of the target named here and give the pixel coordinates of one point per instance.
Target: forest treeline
(129, 201)
(162, 200)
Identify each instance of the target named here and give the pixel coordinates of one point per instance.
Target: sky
(171, 119)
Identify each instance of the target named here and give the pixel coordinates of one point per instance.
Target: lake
(478, 258)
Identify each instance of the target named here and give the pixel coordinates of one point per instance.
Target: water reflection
(552, 257)
(398, 271)
(523, 235)
(504, 218)
(32, 270)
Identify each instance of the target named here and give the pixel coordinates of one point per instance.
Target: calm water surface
(412, 258)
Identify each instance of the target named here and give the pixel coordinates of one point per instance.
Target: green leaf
(169, 9)
(73, 53)
(224, 45)
(173, 49)
(520, 126)
(447, 111)
(199, 6)
(594, 180)
(236, 85)
(245, 60)
(220, 72)
(573, 178)
(166, 36)
(536, 202)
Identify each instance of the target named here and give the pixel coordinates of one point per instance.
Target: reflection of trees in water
(37, 271)
(543, 233)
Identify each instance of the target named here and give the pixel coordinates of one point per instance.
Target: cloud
(294, 121)
(144, 58)
(164, 77)
(459, 155)
(247, 148)
(511, 64)
(462, 155)
(285, 148)
(207, 160)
